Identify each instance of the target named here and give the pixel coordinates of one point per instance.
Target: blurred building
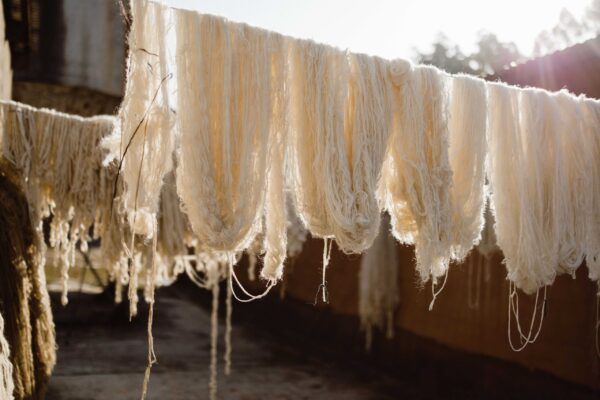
(68, 42)
(574, 68)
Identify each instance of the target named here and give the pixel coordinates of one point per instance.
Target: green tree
(491, 55)
(569, 30)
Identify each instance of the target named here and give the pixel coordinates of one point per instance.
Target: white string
(214, 338)
(435, 292)
(327, 245)
(228, 327)
(151, 354)
(251, 297)
(513, 310)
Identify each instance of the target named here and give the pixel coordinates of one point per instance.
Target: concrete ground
(102, 356)
(281, 350)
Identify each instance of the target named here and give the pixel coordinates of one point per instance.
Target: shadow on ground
(281, 350)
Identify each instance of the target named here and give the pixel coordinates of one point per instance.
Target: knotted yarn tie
(435, 293)
(233, 277)
(513, 310)
(327, 245)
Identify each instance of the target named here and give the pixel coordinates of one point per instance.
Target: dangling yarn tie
(251, 297)
(435, 293)
(133, 283)
(513, 310)
(64, 275)
(133, 273)
(214, 339)
(151, 354)
(229, 311)
(323, 286)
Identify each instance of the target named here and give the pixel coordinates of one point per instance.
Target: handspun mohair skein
(276, 221)
(353, 205)
(316, 83)
(591, 129)
(147, 140)
(523, 173)
(539, 194)
(224, 110)
(66, 173)
(467, 154)
(60, 162)
(341, 120)
(575, 182)
(417, 177)
(504, 162)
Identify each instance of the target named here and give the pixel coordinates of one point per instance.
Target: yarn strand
(513, 311)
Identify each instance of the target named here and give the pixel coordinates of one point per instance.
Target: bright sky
(391, 28)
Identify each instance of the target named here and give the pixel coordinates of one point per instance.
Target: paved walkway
(281, 351)
(102, 356)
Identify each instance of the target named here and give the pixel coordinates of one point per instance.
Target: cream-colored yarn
(340, 122)
(467, 154)
(378, 284)
(147, 140)
(349, 123)
(60, 162)
(276, 223)
(573, 193)
(66, 173)
(506, 171)
(591, 127)
(523, 180)
(7, 385)
(316, 88)
(417, 177)
(224, 112)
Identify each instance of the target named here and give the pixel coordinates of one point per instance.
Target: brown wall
(575, 68)
(565, 348)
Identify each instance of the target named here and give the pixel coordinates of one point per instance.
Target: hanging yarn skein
(591, 129)
(467, 153)
(146, 141)
(506, 180)
(349, 135)
(224, 110)
(44, 146)
(417, 178)
(573, 190)
(340, 124)
(543, 200)
(276, 207)
(68, 168)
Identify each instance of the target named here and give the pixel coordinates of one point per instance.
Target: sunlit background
(395, 28)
